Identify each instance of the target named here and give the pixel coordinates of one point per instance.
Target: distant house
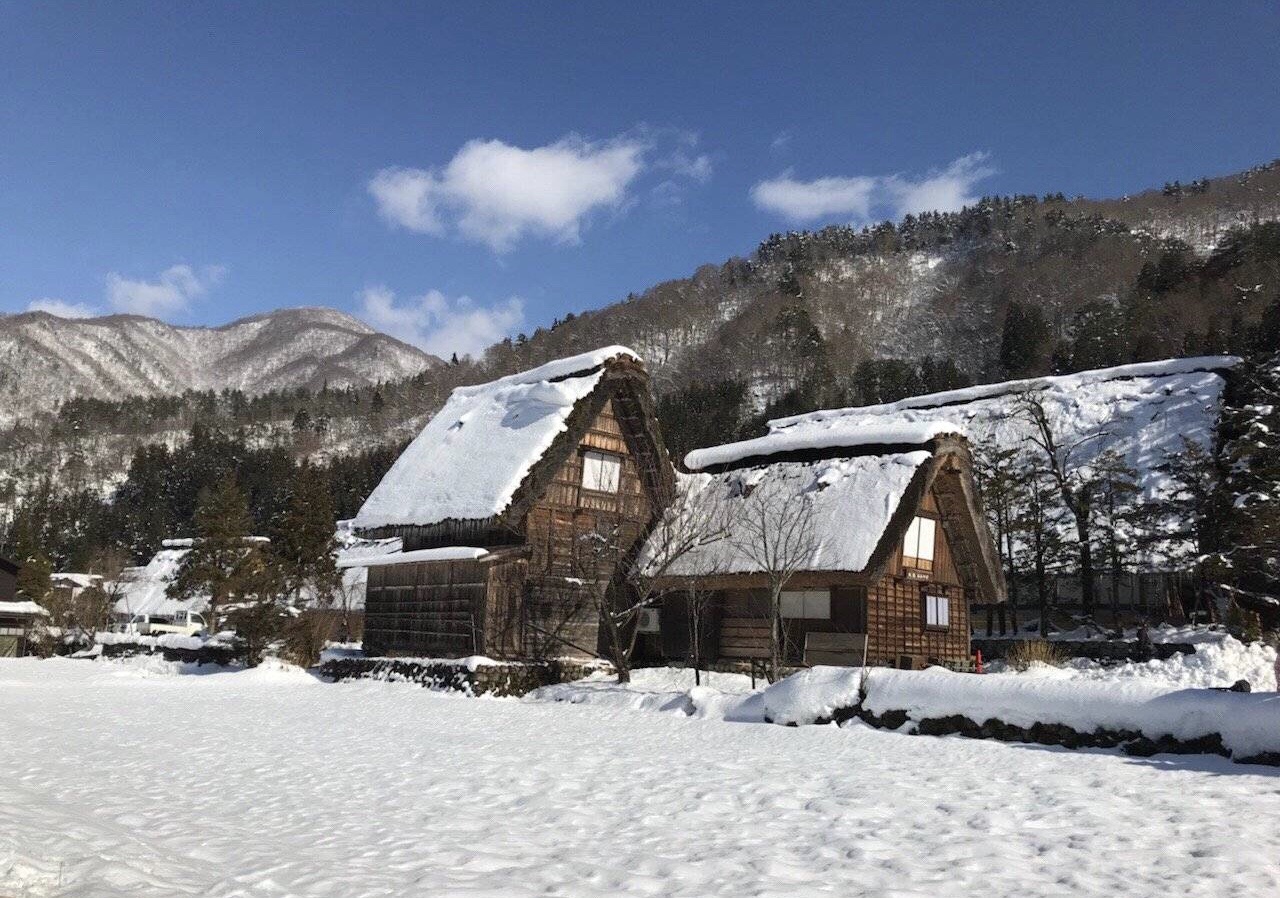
(895, 548)
(17, 619)
(69, 585)
(143, 591)
(1141, 412)
(492, 501)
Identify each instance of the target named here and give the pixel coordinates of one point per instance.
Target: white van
(184, 623)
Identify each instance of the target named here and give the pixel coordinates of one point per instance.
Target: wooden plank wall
(891, 611)
(895, 609)
(425, 608)
(558, 529)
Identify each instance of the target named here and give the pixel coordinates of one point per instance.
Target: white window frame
(915, 545)
(937, 611)
(805, 604)
(601, 471)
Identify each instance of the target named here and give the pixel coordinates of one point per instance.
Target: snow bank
(1249, 723)
(834, 433)
(470, 459)
(812, 695)
(1219, 660)
(444, 553)
(165, 641)
(721, 696)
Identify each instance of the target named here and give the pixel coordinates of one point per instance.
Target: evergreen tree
(1249, 562)
(34, 578)
(224, 563)
(1023, 340)
(302, 542)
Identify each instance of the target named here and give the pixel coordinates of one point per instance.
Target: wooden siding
(430, 608)
(577, 539)
(890, 611)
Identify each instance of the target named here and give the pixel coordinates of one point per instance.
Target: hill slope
(45, 360)
(1012, 287)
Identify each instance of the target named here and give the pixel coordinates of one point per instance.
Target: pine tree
(224, 563)
(1023, 340)
(302, 542)
(1249, 563)
(1040, 547)
(34, 578)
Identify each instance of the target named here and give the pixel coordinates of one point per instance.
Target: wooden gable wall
(895, 606)
(562, 612)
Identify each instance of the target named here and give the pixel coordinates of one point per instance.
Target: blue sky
(452, 172)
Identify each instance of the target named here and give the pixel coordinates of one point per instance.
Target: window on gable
(813, 604)
(937, 611)
(601, 472)
(917, 545)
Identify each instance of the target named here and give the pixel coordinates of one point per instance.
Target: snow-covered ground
(135, 779)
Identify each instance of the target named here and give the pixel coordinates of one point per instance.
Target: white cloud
(864, 198)
(62, 308)
(822, 197)
(496, 194)
(781, 142)
(441, 325)
(171, 292)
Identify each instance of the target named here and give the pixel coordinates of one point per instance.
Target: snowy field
(132, 779)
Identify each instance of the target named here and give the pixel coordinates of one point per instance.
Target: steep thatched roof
(862, 486)
(493, 447)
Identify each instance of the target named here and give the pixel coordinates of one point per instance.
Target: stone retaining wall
(503, 679)
(1129, 742)
(210, 654)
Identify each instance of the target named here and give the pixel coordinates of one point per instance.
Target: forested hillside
(1011, 287)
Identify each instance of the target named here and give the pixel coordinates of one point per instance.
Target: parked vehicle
(183, 623)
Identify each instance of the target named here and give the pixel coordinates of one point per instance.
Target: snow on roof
(144, 591)
(1069, 383)
(470, 459)
(835, 433)
(1142, 412)
(351, 551)
(445, 553)
(23, 609)
(851, 502)
(83, 581)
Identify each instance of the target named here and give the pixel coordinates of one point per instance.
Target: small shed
(493, 501)
(892, 548)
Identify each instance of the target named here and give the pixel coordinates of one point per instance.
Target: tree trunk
(1087, 604)
(775, 643)
(1042, 593)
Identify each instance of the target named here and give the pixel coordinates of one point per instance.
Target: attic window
(601, 472)
(917, 545)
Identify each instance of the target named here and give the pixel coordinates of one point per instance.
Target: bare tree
(1075, 485)
(1004, 496)
(624, 573)
(1041, 545)
(775, 531)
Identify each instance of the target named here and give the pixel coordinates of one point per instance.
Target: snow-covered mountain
(45, 359)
